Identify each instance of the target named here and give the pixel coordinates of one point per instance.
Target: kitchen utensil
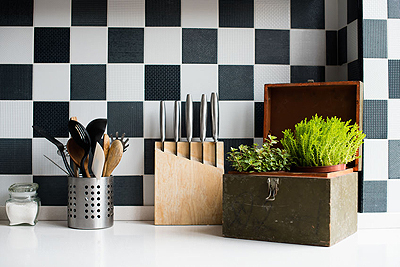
(215, 123)
(98, 161)
(106, 145)
(162, 123)
(77, 153)
(96, 128)
(177, 124)
(203, 122)
(56, 164)
(114, 157)
(123, 140)
(189, 120)
(74, 166)
(82, 138)
(58, 144)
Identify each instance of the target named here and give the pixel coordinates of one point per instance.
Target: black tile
(51, 45)
(375, 196)
(228, 143)
(149, 145)
(16, 12)
(307, 14)
(89, 13)
(354, 70)
(331, 48)
(199, 46)
(16, 156)
(162, 82)
(236, 82)
(258, 119)
(375, 38)
(375, 119)
(52, 190)
(342, 46)
(88, 82)
(52, 117)
(394, 159)
(353, 10)
(301, 74)
(196, 120)
(237, 14)
(272, 47)
(15, 82)
(393, 9)
(128, 190)
(394, 78)
(163, 13)
(125, 117)
(125, 45)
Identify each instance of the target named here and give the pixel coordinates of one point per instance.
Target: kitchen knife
(189, 121)
(162, 123)
(215, 123)
(203, 122)
(177, 124)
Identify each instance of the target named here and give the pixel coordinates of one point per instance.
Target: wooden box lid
(287, 104)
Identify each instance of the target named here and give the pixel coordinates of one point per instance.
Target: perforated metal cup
(90, 202)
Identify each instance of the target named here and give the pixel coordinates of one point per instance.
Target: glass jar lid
(23, 189)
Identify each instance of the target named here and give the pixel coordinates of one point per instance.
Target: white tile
(126, 13)
(163, 45)
(198, 80)
(374, 9)
(52, 13)
(86, 111)
(236, 119)
(7, 180)
(342, 13)
(151, 121)
(272, 14)
(331, 14)
(375, 78)
(16, 119)
(307, 47)
(132, 162)
(51, 82)
(236, 46)
(199, 14)
(393, 38)
(352, 41)
(16, 45)
(375, 158)
(41, 165)
(148, 190)
(394, 119)
(336, 73)
(393, 196)
(267, 74)
(125, 82)
(88, 45)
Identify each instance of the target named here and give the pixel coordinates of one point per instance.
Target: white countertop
(140, 243)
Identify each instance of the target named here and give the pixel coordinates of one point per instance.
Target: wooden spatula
(114, 157)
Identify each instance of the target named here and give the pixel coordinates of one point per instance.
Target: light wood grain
(114, 157)
(106, 148)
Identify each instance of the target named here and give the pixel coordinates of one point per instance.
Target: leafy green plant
(259, 159)
(320, 142)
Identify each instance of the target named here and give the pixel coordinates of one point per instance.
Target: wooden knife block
(188, 192)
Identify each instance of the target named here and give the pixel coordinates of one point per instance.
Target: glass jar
(23, 206)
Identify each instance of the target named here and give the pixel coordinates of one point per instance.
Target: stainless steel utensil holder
(90, 202)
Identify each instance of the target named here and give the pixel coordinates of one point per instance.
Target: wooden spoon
(98, 161)
(77, 153)
(106, 145)
(114, 157)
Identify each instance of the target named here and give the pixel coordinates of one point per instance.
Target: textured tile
(393, 119)
(148, 190)
(342, 46)
(394, 159)
(375, 78)
(86, 111)
(393, 39)
(41, 165)
(375, 196)
(272, 14)
(89, 12)
(88, 45)
(149, 155)
(355, 70)
(332, 14)
(331, 47)
(228, 143)
(196, 120)
(151, 118)
(16, 45)
(88, 82)
(125, 82)
(258, 119)
(16, 13)
(52, 117)
(196, 14)
(163, 45)
(272, 46)
(235, 82)
(7, 180)
(52, 190)
(234, 113)
(163, 13)
(375, 9)
(51, 82)
(198, 80)
(17, 156)
(199, 46)
(375, 158)
(375, 38)
(162, 82)
(125, 45)
(126, 13)
(393, 196)
(352, 10)
(52, 45)
(394, 78)
(52, 13)
(237, 14)
(128, 190)
(307, 14)
(342, 14)
(16, 82)
(125, 117)
(267, 74)
(375, 119)
(236, 46)
(335, 73)
(352, 41)
(16, 119)
(132, 162)
(393, 9)
(308, 47)
(301, 74)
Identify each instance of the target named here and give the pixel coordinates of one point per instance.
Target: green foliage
(259, 159)
(320, 142)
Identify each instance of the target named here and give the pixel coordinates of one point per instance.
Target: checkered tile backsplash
(118, 58)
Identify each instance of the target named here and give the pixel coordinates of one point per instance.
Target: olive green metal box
(312, 209)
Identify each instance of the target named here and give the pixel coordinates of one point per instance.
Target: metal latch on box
(272, 188)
